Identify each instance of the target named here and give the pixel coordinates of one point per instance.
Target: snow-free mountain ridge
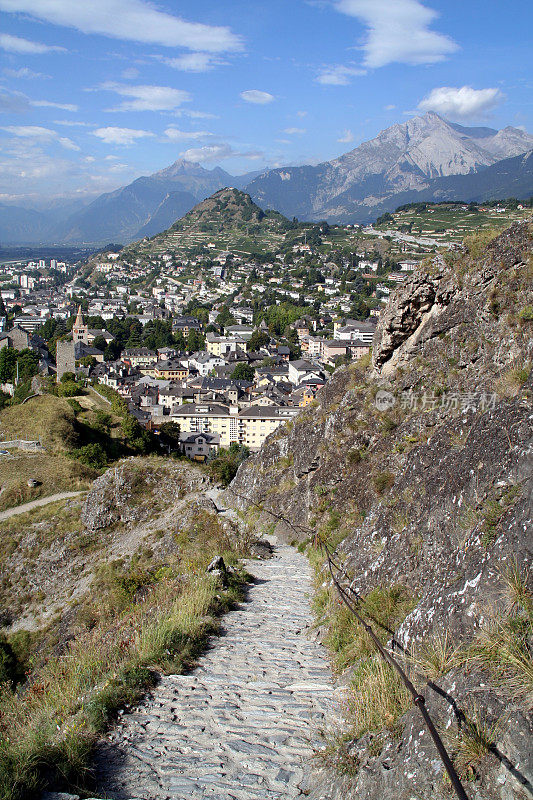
(406, 159)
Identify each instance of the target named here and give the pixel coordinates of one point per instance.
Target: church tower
(80, 331)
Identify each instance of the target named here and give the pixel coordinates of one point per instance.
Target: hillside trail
(42, 501)
(243, 725)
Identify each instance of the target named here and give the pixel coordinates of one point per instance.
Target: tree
(8, 360)
(179, 340)
(112, 351)
(243, 372)
(195, 341)
(224, 317)
(169, 433)
(258, 340)
(100, 343)
(68, 389)
(135, 435)
(224, 467)
(103, 421)
(27, 365)
(93, 455)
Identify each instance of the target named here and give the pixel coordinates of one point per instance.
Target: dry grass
(503, 647)
(438, 656)
(53, 720)
(472, 743)
(55, 473)
(48, 418)
(516, 589)
(377, 698)
(344, 636)
(141, 614)
(511, 381)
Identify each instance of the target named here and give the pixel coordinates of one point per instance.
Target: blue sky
(96, 93)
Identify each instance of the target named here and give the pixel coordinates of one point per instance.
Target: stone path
(243, 725)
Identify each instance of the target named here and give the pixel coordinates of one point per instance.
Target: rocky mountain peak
(181, 167)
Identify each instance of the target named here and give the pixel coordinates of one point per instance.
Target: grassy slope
(50, 419)
(140, 601)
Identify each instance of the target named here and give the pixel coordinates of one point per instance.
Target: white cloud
(36, 133)
(176, 135)
(195, 114)
(133, 20)
(398, 31)
(147, 98)
(68, 144)
(338, 75)
(461, 103)
(129, 73)
(70, 123)
(29, 171)
(121, 136)
(216, 152)
(346, 137)
(301, 114)
(390, 107)
(13, 102)
(193, 62)
(30, 131)
(24, 72)
(294, 131)
(15, 44)
(256, 96)
(50, 104)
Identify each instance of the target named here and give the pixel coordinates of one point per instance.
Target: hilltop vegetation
(229, 220)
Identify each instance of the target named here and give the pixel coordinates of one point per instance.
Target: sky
(94, 93)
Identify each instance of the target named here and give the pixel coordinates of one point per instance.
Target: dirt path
(42, 501)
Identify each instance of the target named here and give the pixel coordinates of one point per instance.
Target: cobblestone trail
(243, 725)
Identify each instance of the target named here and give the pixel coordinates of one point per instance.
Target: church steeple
(80, 331)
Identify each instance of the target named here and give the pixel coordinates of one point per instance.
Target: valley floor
(245, 723)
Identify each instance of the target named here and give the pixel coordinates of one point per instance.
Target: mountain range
(424, 158)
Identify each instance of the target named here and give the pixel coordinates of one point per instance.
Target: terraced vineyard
(229, 220)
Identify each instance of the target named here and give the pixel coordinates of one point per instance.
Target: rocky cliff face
(420, 465)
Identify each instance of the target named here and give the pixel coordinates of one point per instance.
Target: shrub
(75, 406)
(354, 456)
(8, 662)
(68, 388)
(383, 481)
(224, 467)
(92, 455)
(526, 314)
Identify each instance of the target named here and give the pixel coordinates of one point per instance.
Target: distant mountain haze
(426, 157)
